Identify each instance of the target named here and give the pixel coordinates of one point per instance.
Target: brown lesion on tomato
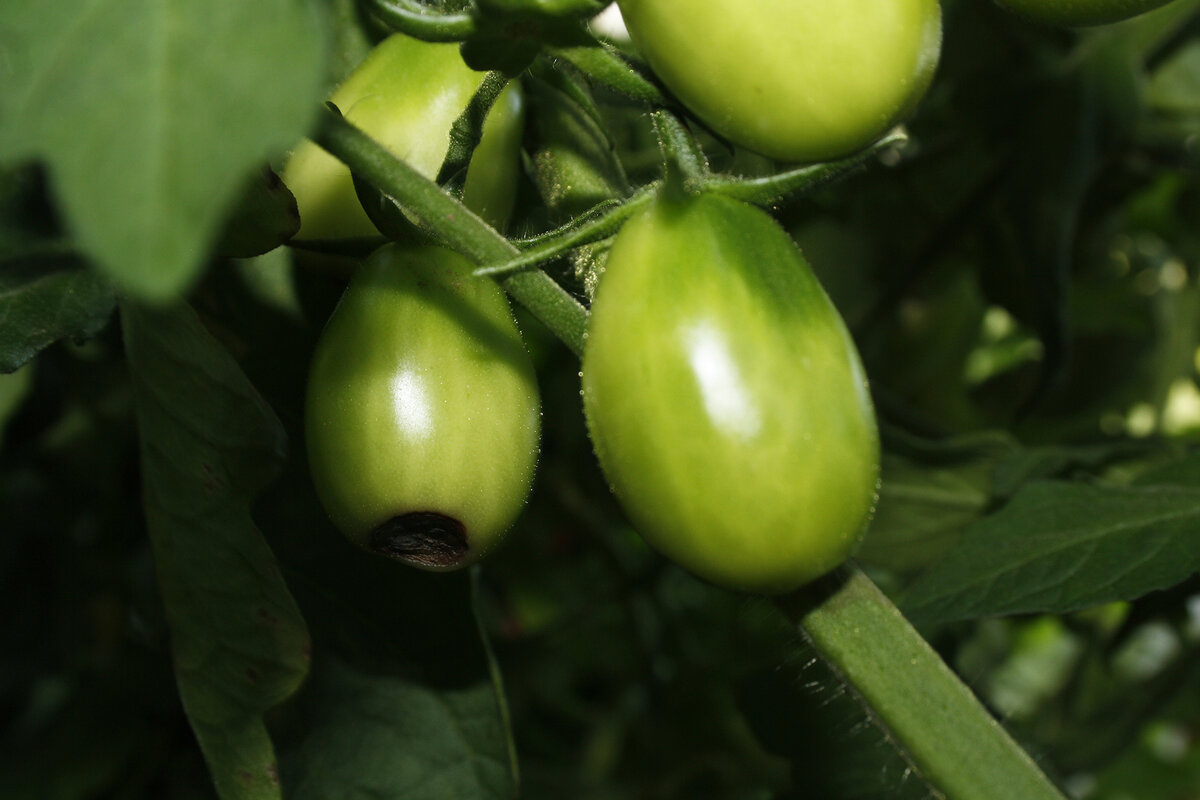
(423, 539)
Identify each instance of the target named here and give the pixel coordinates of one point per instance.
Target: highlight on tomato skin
(1079, 13)
(422, 413)
(795, 81)
(725, 399)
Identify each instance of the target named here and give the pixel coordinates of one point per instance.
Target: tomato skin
(725, 400)
(422, 410)
(1078, 13)
(407, 94)
(796, 81)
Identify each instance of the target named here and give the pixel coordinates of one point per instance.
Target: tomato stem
(769, 190)
(454, 223)
(414, 19)
(686, 164)
(603, 65)
(585, 229)
(467, 131)
(949, 738)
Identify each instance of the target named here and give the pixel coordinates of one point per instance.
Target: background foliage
(1021, 279)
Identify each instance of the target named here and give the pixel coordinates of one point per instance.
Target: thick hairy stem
(952, 742)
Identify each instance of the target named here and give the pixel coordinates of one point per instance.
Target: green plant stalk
(453, 222)
(767, 191)
(467, 131)
(605, 66)
(687, 166)
(951, 741)
(585, 218)
(588, 229)
(927, 712)
(412, 18)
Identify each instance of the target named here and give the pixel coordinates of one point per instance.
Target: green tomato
(422, 415)
(725, 399)
(407, 95)
(795, 80)
(1072, 13)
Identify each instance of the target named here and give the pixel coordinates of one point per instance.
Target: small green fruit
(725, 399)
(796, 80)
(422, 414)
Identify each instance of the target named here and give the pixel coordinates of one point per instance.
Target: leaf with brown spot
(209, 444)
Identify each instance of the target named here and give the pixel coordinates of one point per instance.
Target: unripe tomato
(422, 414)
(407, 95)
(792, 79)
(725, 399)
(1079, 12)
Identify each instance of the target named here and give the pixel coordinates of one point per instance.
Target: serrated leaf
(45, 297)
(1058, 547)
(208, 445)
(151, 115)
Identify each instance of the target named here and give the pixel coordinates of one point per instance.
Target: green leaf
(1184, 471)
(381, 734)
(1058, 547)
(1175, 86)
(922, 511)
(1028, 464)
(45, 297)
(151, 116)
(404, 700)
(208, 445)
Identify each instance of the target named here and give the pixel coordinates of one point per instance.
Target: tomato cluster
(723, 394)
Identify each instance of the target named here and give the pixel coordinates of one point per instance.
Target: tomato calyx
(422, 539)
